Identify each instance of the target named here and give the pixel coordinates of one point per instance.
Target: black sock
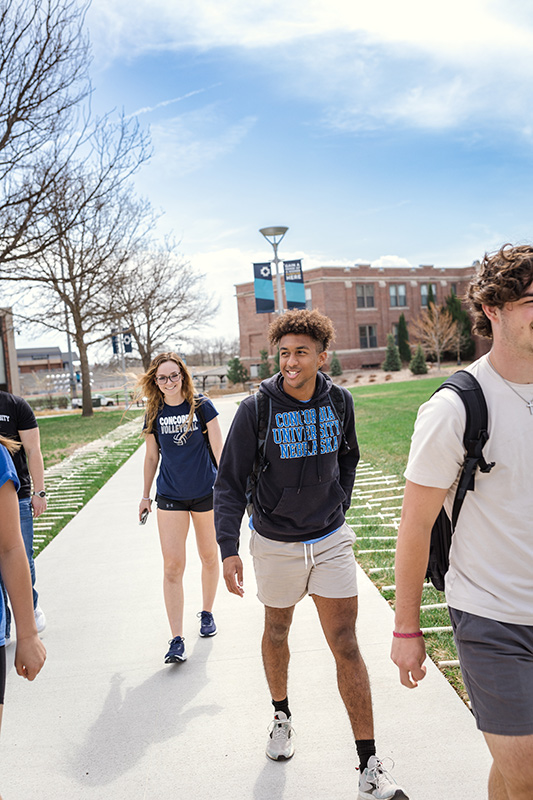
(282, 705)
(365, 749)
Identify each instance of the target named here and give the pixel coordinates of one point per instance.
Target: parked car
(98, 400)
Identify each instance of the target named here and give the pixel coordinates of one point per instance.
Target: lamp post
(274, 236)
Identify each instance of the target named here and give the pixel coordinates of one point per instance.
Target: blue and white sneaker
(207, 624)
(375, 783)
(176, 651)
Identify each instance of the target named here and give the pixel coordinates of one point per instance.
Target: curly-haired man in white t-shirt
(489, 582)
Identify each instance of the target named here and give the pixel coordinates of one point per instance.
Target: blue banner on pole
(263, 288)
(114, 341)
(294, 284)
(127, 340)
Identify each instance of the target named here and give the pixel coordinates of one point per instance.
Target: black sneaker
(176, 651)
(207, 624)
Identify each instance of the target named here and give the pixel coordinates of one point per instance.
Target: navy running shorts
(196, 504)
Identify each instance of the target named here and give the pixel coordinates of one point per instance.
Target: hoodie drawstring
(311, 554)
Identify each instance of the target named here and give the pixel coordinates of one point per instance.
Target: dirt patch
(365, 377)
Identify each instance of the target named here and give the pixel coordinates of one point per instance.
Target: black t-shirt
(16, 415)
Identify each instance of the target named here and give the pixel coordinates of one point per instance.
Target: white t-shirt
(491, 558)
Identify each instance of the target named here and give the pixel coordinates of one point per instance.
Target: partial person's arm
(421, 505)
(215, 438)
(31, 442)
(30, 653)
(151, 460)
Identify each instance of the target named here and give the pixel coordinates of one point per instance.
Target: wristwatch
(40, 494)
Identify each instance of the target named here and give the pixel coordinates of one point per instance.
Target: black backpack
(475, 436)
(203, 427)
(263, 415)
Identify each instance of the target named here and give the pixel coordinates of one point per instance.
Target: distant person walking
(17, 422)
(30, 653)
(175, 442)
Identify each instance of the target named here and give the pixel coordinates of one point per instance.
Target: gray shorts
(287, 571)
(497, 665)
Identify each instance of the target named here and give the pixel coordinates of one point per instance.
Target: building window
(424, 289)
(308, 299)
(254, 370)
(453, 287)
(367, 336)
(365, 295)
(395, 333)
(397, 295)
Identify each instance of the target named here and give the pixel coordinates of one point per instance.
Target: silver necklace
(529, 403)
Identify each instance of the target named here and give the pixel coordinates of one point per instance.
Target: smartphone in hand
(144, 517)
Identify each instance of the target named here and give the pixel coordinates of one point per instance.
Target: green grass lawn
(61, 435)
(384, 418)
(385, 415)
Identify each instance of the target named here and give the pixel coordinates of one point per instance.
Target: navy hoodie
(306, 488)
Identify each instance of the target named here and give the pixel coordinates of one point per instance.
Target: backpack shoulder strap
(338, 398)
(200, 414)
(203, 427)
(339, 401)
(475, 435)
(263, 415)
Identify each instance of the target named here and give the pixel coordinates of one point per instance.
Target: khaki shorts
(287, 571)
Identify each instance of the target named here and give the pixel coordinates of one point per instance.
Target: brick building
(364, 303)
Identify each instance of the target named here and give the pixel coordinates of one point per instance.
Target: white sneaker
(40, 619)
(375, 783)
(280, 745)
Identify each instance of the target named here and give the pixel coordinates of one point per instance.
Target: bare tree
(435, 330)
(44, 56)
(215, 351)
(160, 298)
(83, 263)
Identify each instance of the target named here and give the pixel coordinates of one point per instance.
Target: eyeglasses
(162, 379)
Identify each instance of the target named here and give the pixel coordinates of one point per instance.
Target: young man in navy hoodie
(300, 542)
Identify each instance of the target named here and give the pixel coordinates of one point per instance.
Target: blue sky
(383, 130)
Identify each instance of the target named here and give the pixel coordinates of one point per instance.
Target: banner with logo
(263, 288)
(294, 284)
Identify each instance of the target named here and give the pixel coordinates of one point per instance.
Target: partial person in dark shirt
(175, 442)
(17, 422)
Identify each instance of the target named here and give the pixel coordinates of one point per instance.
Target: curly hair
(502, 277)
(147, 387)
(302, 321)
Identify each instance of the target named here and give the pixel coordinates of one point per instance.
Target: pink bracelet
(407, 635)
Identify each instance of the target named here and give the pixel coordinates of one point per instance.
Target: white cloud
(192, 140)
(368, 65)
(453, 29)
(165, 103)
(390, 261)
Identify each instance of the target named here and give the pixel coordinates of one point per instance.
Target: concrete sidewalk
(107, 720)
